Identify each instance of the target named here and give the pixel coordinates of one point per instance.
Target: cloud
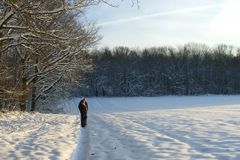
(160, 14)
(226, 23)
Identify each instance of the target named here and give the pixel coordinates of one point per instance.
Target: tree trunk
(33, 103)
(23, 95)
(34, 89)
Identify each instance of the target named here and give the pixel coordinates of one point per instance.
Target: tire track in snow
(82, 150)
(190, 147)
(109, 145)
(152, 142)
(193, 151)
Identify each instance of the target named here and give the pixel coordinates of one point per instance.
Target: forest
(191, 69)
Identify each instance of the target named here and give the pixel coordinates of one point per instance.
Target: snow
(204, 127)
(37, 136)
(82, 150)
(168, 127)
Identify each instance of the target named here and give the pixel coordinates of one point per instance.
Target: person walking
(83, 108)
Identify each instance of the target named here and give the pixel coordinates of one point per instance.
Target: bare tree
(42, 39)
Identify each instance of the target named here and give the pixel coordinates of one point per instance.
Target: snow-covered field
(204, 127)
(141, 128)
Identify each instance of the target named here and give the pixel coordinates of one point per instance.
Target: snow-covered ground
(140, 128)
(40, 136)
(27, 136)
(204, 127)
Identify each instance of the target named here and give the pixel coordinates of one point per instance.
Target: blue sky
(168, 22)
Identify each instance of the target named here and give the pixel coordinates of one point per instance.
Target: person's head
(84, 98)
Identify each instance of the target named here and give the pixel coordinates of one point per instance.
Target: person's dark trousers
(83, 119)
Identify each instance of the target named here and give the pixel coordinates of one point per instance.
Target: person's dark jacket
(83, 108)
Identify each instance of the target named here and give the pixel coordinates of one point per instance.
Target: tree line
(192, 69)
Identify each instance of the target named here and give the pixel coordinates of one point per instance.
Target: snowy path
(26, 136)
(81, 152)
(189, 132)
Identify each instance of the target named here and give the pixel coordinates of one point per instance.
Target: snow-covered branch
(46, 88)
(6, 18)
